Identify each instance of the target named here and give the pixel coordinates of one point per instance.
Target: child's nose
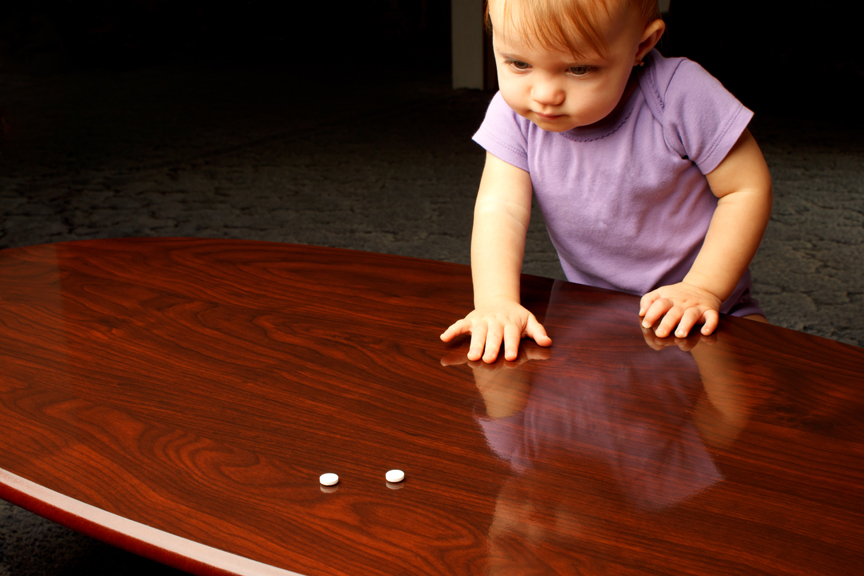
(548, 93)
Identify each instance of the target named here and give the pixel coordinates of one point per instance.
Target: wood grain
(198, 388)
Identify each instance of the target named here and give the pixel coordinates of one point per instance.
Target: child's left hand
(683, 305)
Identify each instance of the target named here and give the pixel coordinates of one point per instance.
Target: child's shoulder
(701, 119)
(664, 75)
(680, 83)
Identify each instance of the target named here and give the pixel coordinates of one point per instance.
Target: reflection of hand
(683, 305)
(504, 385)
(526, 354)
(501, 321)
(723, 410)
(684, 344)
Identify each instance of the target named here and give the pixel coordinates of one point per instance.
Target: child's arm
(743, 185)
(501, 218)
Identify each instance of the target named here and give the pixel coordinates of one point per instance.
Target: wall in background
(467, 43)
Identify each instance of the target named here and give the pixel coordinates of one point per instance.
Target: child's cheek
(516, 104)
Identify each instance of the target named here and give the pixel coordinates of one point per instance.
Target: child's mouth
(547, 116)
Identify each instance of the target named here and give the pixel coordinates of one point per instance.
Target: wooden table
(179, 398)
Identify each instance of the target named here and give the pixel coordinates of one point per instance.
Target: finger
(476, 364)
(512, 336)
(670, 320)
(688, 320)
(536, 331)
(656, 311)
(494, 338)
(455, 329)
(710, 339)
(686, 344)
(651, 339)
(712, 320)
(691, 341)
(478, 341)
(647, 300)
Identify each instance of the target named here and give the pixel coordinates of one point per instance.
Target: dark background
(779, 58)
(776, 59)
(53, 35)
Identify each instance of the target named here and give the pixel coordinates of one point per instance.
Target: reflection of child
(634, 412)
(608, 439)
(649, 181)
(657, 461)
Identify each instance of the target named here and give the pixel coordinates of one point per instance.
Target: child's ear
(650, 36)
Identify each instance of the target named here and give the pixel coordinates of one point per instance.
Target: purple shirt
(626, 200)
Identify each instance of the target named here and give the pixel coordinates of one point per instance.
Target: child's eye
(519, 65)
(579, 70)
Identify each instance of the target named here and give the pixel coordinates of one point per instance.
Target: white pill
(395, 476)
(329, 479)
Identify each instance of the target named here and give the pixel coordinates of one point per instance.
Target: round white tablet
(329, 479)
(395, 476)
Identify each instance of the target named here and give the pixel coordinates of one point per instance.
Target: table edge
(130, 535)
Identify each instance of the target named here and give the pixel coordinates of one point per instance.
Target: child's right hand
(501, 320)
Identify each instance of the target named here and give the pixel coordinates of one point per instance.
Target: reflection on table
(608, 438)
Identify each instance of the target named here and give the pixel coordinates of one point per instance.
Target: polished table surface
(180, 397)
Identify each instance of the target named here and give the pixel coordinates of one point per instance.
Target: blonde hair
(569, 24)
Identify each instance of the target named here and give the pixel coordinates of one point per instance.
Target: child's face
(552, 88)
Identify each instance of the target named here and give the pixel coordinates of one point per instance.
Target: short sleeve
(503, 135)
(701, 119)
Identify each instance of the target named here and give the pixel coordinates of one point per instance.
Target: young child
(643, 167)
